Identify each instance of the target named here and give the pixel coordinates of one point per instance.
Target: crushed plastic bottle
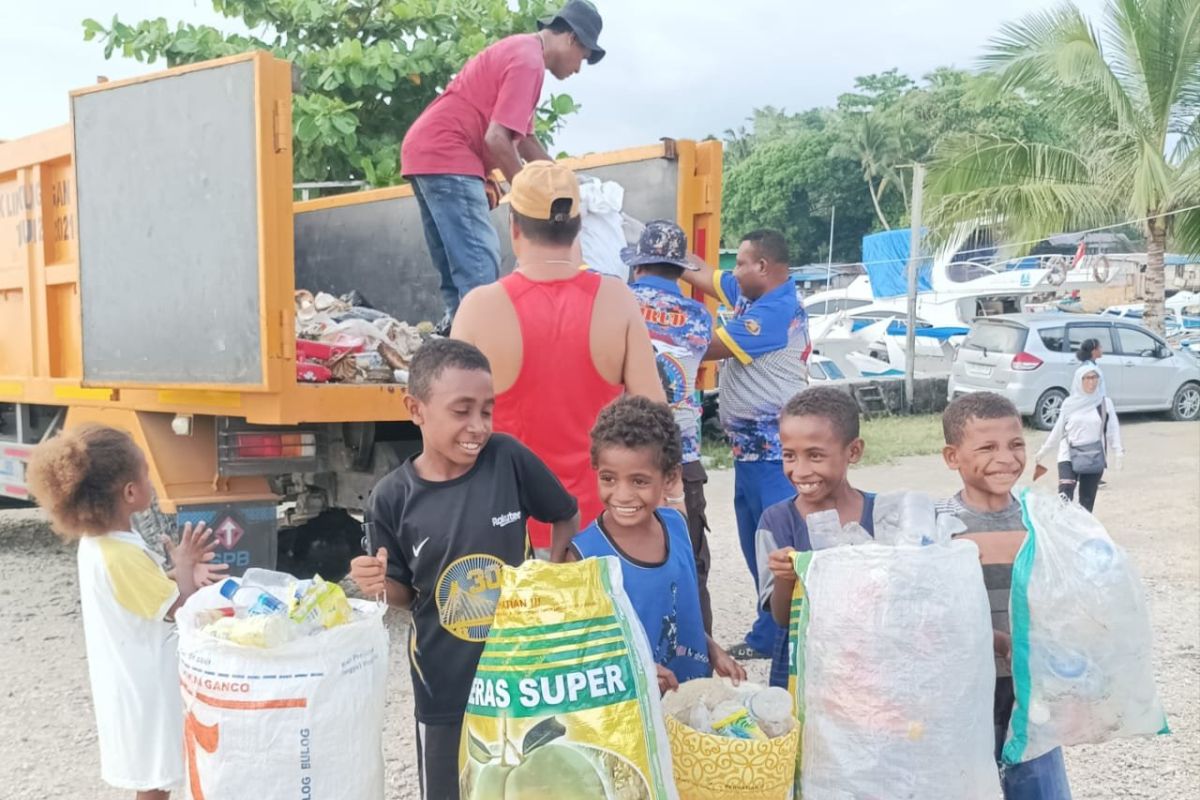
(772, 709)
(732, 720)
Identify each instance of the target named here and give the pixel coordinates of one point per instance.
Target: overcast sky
(678, 68)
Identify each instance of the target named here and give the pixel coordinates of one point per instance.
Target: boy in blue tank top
(818, 431)
(636, 453)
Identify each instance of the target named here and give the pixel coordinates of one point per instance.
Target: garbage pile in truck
(345, 340)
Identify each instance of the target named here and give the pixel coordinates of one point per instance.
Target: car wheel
(1186, 405)
(1045, 413)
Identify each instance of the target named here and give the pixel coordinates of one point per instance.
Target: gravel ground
(1152, 508)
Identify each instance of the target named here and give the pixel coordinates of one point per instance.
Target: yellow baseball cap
(541, 184)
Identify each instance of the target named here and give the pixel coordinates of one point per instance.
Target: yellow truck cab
(150, 252)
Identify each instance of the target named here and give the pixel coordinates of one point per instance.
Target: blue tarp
(885, 256)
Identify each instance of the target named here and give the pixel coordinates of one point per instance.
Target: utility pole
(829, 264)
(914, 262)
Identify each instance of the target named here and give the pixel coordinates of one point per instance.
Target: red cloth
(501, 84)
(558, 394)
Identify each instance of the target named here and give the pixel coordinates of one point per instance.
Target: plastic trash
(305, 714)
(602, 236)
(892, 670)
(1082, 643)
(825, 530)
(905, 518)
(773, 710)
(733, 720)
(251, 600)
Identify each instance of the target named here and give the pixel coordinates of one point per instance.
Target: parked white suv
(1030, 358)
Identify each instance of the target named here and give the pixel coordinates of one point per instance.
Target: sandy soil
(1152, 508)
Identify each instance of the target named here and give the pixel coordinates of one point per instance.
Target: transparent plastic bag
(1082, 641)
(892, 672)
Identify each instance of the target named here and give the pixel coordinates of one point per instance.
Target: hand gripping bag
(892, 671)
(302, 720)
(1082, 643)
(565, 701)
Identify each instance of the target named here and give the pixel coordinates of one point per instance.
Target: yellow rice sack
(565, 700)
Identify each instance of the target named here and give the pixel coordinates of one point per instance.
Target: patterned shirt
(769, 340)
(681, 330)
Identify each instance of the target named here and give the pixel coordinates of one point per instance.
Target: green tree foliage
(1132, 93)
(791, 184)
(366, 68)
(888, 122)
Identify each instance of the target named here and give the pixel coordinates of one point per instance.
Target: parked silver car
(1030, 358)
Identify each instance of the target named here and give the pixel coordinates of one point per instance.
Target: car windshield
(833, 371)
(996, 337)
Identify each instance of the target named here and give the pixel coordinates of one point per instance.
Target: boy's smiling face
(990, 455)
(816, 456)
(631, 484)
(456, 416)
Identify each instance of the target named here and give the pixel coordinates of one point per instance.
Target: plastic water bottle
(772, 710)
(1096, 558)
(250, 600)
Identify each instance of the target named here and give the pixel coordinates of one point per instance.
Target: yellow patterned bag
(565, 701)
(711, 767)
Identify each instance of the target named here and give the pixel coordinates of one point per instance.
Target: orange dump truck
(149, 256)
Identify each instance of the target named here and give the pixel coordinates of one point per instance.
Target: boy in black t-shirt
(441, 526)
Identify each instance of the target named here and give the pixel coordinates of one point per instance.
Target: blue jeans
(757, 485)
(1043, 778)
(458, 231)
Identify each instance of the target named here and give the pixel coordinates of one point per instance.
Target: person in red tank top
(563, 342)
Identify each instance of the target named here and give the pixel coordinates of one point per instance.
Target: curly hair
(975, 405)
(78, 475)
(634, 422)
(827, 403)
(437, 356)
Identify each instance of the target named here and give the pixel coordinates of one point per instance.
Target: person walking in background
(1089, 351)
(484, 121)
(766, 346)
(681, 330)
(1086, 432)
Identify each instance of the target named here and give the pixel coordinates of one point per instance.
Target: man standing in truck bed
(563, 342)
(484, 121)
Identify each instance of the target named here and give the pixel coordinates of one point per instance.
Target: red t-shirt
(502, 84)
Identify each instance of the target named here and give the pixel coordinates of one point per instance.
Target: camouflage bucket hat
(662, 242)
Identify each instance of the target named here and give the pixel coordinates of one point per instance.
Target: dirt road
(1152, 508)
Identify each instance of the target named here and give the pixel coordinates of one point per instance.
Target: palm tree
(873, 143)
(1132, 91)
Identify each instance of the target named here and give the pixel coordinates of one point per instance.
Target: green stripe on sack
(555, 691)
(593, 624)
(658, 781)
(1014, 748)
(507, 644)
(574, 655)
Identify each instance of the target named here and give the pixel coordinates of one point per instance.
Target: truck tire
(1045, 413)
(324, 545)
(1185, 405)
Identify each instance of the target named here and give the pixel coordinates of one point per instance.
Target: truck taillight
(275, 445)
(1026, 362)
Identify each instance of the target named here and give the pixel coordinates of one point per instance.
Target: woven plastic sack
(1082, 642)
(565, 700)
(892, 671)
(301, 720)
(710, 767)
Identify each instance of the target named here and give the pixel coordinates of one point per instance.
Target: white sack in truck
(301, 720)
(603, 236)
(895, 673)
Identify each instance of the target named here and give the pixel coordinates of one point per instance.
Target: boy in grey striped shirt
(985, 445)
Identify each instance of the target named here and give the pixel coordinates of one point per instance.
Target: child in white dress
(90, 480)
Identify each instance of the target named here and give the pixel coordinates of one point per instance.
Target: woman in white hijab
(1087, 435)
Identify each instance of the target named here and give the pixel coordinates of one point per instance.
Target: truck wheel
(1185, 406)
(1045, 413)
(324, 545)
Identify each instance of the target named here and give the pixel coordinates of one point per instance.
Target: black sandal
(744, 652)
